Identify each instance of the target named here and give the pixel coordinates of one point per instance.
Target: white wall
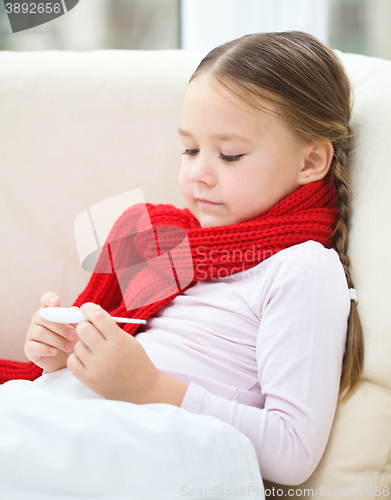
(85, 26)
(208, 23)
(379, 28)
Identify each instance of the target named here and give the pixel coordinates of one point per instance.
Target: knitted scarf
(153, 255)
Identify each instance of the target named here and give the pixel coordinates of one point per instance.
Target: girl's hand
(110, 361)
(49, 344)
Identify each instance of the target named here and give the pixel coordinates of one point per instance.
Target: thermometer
(73, 315)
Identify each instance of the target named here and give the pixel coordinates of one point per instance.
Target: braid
(354, 354)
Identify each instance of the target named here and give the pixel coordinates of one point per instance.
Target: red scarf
(155, 263)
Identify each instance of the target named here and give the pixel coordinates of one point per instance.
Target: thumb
(50, 299)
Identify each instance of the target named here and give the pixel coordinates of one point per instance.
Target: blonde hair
(308, 83)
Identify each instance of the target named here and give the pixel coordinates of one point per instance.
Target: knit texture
(133, 247)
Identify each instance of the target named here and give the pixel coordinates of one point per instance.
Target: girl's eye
(230, 158)
(192, 152)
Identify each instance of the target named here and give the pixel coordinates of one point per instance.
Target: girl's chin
(207, 220)
(204, 223)
(211, 223)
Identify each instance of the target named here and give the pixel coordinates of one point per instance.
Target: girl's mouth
(208, 204)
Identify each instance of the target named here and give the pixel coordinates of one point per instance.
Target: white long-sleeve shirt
(262, 350)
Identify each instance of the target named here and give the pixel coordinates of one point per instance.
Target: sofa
(81, 127)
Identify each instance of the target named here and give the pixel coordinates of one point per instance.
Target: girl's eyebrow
(220, 137)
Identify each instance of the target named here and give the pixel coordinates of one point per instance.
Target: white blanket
(60, 440)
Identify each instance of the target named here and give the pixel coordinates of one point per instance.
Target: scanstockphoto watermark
(255, 272)
(256, 254)
(254, 492)
(243, 492)
(232, 264)
(24, 15)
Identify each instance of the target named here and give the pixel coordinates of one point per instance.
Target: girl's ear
(317, 161)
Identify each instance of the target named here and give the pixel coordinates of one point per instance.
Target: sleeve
(299, 352)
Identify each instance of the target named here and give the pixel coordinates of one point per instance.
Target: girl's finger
(76, 367)
(83, 352)
(50, 299)
(101, 319)
(61, 329)
(45, 336)
(35, 350)
(91, 337)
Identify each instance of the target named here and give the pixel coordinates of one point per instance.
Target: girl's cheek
(184, 172)
(184, 181)
(181, 176)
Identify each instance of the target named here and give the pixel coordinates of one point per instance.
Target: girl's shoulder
(307, 252)
(307, 273)
(309, 262)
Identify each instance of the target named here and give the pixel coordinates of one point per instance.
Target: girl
(267, 334)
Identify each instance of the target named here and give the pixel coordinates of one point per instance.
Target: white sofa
(81, 127)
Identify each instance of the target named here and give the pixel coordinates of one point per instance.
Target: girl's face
(241, 160)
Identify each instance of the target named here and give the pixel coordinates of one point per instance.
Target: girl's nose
(202, 171)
